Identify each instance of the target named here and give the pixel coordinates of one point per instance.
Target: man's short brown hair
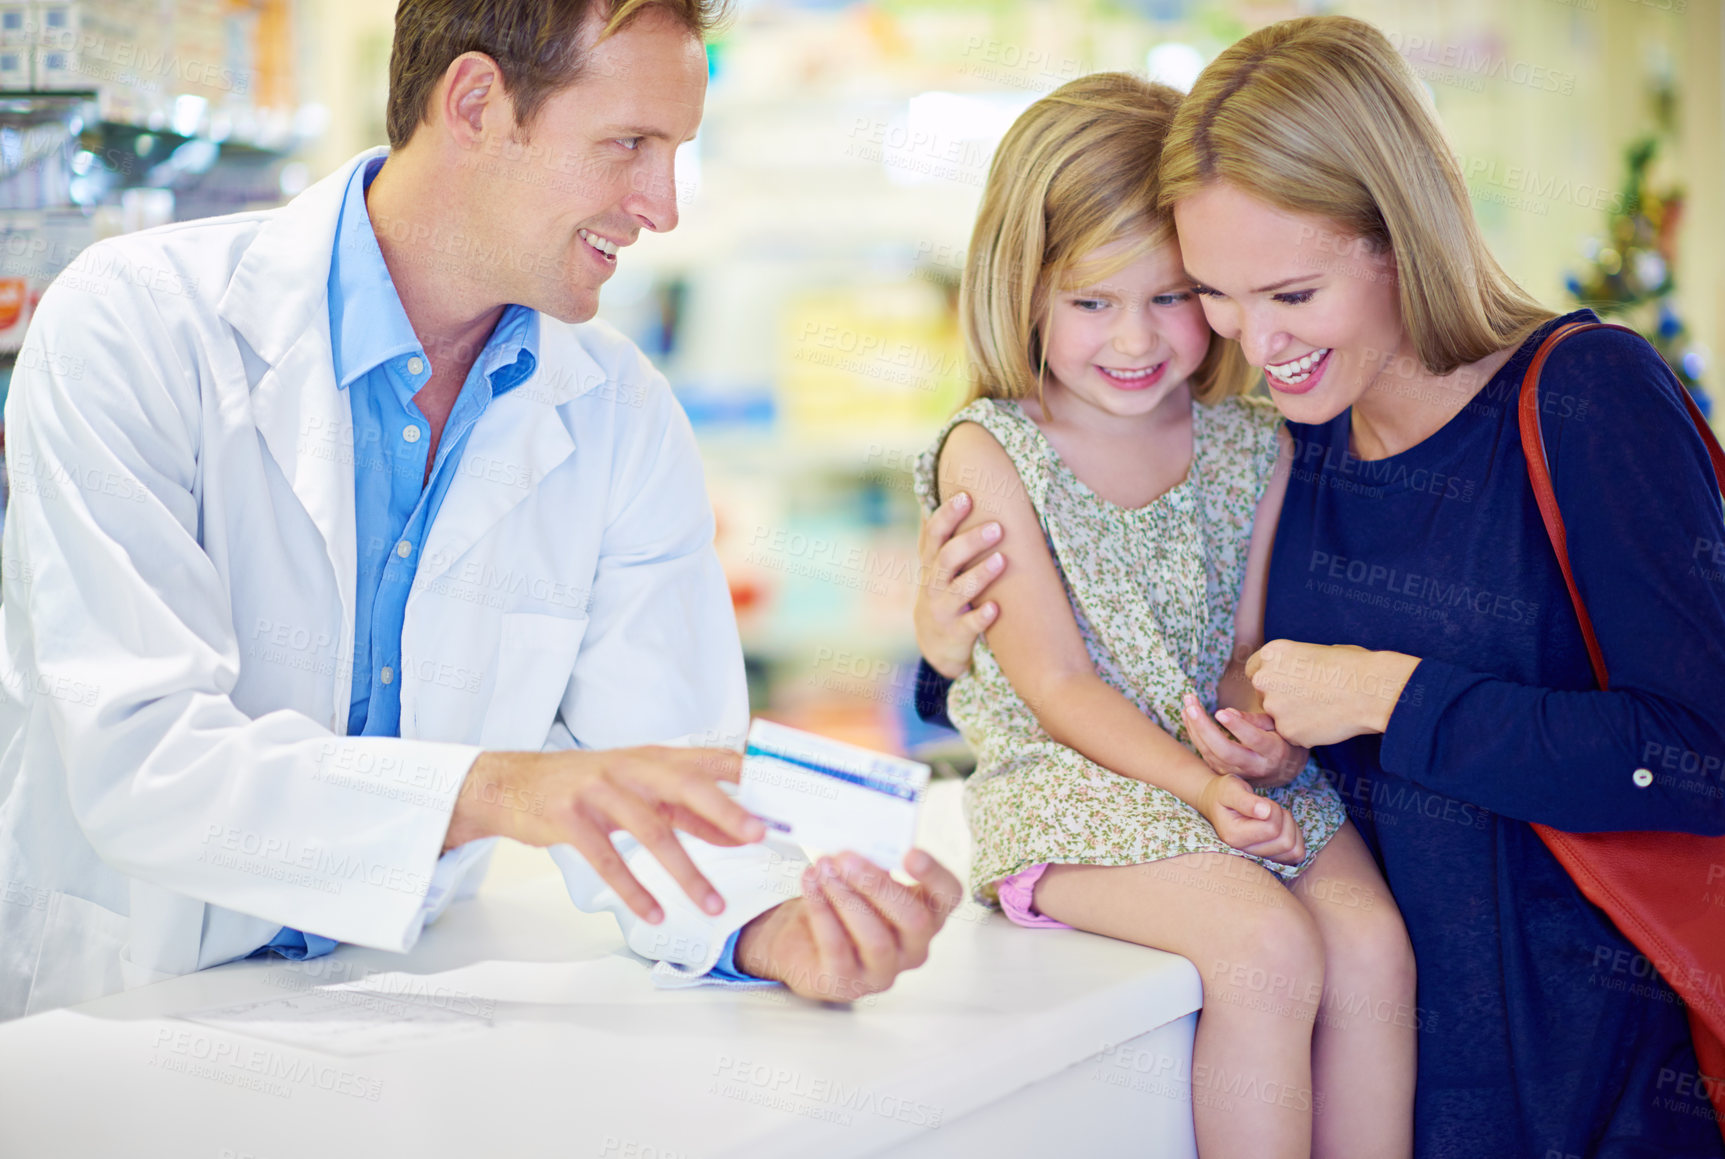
(540, 46)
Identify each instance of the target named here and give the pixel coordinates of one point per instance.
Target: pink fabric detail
(1018, 899)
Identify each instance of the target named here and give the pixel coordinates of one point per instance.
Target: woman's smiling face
(1314, 306)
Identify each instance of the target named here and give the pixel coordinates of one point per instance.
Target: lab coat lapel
(517, 442)
(307, 425)
(278, 302)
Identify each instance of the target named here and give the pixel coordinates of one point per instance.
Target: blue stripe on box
(890, 788)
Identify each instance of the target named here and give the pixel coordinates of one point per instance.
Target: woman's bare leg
(1363, 1049)
(1262, 960)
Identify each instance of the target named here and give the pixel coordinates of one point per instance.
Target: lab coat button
(415, 365)
(387, 675)
(1642, 778)
(404, 549)
(411, 434)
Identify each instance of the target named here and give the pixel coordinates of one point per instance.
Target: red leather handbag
(1653, 886)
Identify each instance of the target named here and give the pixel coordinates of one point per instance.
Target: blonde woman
(1108, 438)
(1421, 634)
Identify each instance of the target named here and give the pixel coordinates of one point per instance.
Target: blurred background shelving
(803, 308)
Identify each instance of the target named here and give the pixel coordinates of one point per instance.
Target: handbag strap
(1539, 471)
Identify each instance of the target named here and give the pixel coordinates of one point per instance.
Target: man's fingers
(720, 764)
(945, 892)
(876, 946)
(596, 849)
(837, 962)
(905, 908)
(688, 779)
(699, 827)
(644, 823)
(730, 818)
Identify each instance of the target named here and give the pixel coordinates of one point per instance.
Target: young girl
(1108, 442)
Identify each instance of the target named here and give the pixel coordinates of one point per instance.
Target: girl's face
(1312, 305)
(1127, 343)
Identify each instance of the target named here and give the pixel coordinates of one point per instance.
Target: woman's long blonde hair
(1075, 172)
(1320, 116)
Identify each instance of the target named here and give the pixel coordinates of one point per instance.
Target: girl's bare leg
(1262, 960)
(1363, 1049)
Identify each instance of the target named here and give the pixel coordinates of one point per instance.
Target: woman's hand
(948, 620)
(1250, 823)
(1256, 752)
(1323, 693)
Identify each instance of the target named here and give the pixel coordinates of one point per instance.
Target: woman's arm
(1037, 644)
(1642, 513)
(931, 690)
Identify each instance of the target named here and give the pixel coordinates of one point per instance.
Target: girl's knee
(1371, 953)
(1273, 950)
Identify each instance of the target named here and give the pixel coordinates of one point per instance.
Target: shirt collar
(511, 355)
(367, 325)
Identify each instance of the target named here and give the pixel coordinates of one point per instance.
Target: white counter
(542, 1036)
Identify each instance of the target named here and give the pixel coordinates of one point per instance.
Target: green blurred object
(1634, 270)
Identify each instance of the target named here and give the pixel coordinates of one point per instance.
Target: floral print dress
(1154, 590)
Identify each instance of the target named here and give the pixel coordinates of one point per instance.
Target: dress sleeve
(1647, 544)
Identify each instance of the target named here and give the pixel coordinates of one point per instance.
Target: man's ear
(470, 93)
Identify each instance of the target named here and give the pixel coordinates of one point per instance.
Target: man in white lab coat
(339, 546)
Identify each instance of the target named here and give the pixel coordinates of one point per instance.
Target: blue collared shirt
(380, 363)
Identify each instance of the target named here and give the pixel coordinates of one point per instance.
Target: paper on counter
(381, 1013)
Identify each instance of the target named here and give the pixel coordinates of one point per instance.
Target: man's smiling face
(593, 168)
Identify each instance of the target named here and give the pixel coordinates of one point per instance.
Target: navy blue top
(1542, 1032)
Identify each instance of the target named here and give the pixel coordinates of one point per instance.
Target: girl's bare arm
(1036, 640)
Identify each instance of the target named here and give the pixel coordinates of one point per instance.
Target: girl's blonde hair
(1320, 116)
(1075, 172)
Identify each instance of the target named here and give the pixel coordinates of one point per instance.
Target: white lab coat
(178, 619)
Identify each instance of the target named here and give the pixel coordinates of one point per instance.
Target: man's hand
(581, 797)
(948, 620)
(854, 929)
(1324, 693)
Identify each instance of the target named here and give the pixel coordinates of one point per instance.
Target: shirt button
(415, 365)
(404, 549)
(1642, 778)
(411, 434)
(387, 675)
